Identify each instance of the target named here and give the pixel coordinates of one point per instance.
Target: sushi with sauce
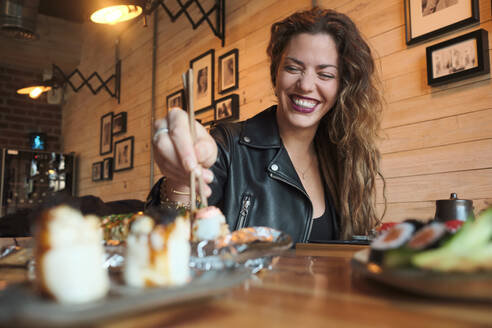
(69, 256)
(158, 250)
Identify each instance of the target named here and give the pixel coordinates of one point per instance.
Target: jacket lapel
(261, 131)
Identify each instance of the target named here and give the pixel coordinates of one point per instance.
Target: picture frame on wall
(462, 57)
(176, 99)
(97, 169)
(227, 108)
(203, 80)
(119, 123)
(228, 71)
(123, 154)
(107, 172)
(106, 140)
(425, 19)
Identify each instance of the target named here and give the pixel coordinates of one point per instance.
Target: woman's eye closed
(292, 68)
(326, 76)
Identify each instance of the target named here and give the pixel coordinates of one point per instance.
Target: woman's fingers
(165, 156)
(180, 135)
(175, 153)
(205, 146)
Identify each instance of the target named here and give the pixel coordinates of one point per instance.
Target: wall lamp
(59, 79)
(116, 11)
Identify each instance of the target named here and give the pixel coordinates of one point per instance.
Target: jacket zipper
(243, 213)
(310, 221)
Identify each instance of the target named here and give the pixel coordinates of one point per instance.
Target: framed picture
(119, 123)
(205, 117)
(97, 171)
(227, 108)
(107, 172)
(203, 80)
(123, 154)
(106, 142)
(458, 58)
(425, 19)
(176, 99)
(228, 71)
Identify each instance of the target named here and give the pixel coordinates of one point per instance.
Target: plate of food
(161, 257)
(21, 305)
(433, 259)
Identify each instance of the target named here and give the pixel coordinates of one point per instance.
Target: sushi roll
(208, 224)
(394, 237)
(387, 248)
(431, 235)
(158, 250)
(69, 256)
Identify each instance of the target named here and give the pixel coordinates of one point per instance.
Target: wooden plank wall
(435, 140)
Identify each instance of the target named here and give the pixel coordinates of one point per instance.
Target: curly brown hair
(346, 137)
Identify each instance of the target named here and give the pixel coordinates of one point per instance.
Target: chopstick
(188, 87)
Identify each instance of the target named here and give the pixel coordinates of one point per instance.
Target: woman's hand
(175, 153)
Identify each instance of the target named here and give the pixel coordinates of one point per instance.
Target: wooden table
(313, 286)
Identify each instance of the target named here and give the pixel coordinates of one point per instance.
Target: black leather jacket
(255, 183)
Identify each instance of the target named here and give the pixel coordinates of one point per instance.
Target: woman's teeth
(304, 103)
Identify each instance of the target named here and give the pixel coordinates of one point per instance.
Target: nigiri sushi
(69, 256)
(208, 224)
(158, 250)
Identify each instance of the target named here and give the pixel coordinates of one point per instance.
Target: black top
(322, 229)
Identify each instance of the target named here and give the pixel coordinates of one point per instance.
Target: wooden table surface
(312, 286)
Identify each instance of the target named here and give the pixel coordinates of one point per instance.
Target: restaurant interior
(106, 84)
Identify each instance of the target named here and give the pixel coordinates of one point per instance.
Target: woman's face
(307, 80)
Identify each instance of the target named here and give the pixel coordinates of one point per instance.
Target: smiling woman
(306, 166)
(307, 82)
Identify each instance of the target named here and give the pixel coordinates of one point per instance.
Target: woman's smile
(303, 104)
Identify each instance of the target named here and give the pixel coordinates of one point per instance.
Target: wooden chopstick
(188, 87)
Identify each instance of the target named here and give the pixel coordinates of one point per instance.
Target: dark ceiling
(77, 11)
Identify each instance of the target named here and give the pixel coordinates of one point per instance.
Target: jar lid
(454, 198)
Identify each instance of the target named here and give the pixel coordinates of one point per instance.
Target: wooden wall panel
(470, 184)
(454, 157)
(449, 130)
(436, 140)
(441, 103)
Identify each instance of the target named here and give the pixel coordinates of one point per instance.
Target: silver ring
(159, 131)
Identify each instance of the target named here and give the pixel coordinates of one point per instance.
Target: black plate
(20, 304)
(462, 286)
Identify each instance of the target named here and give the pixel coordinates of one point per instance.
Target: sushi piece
(387, 248)
(158, 250)
(208, 224)
(395, 237)
(431, 235)
(69, 256)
